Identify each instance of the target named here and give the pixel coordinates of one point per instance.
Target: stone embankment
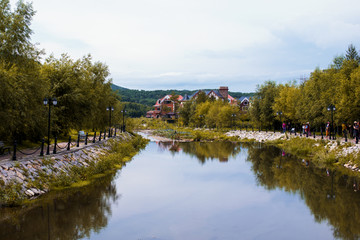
(28, 170)
(256, 135)
(339, 146)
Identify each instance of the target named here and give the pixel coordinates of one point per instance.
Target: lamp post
(332, 108)
(279, 114)
(123, 115)
(110, 109)
(50, 101)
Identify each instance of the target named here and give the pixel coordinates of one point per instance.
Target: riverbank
(31, 178)
(323, 152)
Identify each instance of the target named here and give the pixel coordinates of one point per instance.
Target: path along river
(198, 191)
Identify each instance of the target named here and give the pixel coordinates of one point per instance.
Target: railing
(56, 146)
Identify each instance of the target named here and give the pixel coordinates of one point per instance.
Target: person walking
(344, 129)
(327, 129)
(303, 128)
(356, 132)
(284, 127)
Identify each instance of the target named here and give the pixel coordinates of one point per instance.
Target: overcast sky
(192, 44)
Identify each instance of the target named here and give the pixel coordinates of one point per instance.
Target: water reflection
(331, 196)
(72, 214)
(203, 151)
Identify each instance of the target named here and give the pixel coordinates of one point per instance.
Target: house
(244, 103)
(165, 108)
(222, 93)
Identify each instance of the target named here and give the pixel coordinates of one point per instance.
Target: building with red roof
(165, 107)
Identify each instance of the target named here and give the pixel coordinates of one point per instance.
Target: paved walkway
(31, 153)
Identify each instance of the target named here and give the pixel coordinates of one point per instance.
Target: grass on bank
(118, 154)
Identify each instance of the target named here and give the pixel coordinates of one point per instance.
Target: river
(198, 191)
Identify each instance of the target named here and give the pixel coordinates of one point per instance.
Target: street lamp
(123, 115)
(110, 109)
(332, 108)
(50, 101)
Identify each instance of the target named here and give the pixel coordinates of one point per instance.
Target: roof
(231, 98)
(186, 97)
(241, 99)
(167, 97)
(207, 92)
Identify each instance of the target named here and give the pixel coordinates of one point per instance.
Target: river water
(199, 191)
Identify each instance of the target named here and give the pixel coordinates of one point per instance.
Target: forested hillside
(147, 98)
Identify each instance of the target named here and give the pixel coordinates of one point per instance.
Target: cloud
(170, 74)
(187, 40)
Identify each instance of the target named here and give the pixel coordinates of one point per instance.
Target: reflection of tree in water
(72, 216)
(173, 146)
(203, 150)
(211, 150)
(331, 196)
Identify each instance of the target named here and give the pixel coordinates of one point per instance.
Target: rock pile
(257, 136)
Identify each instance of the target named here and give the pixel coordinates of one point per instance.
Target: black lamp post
(110, 109)
(279, 114)
(123, 115)
(332, 108)
(50, 101)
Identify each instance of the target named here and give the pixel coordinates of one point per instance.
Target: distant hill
(116, 87)
(145, 100)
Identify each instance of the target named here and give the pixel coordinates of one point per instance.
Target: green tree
(338, 61)
(22, 86)
(201, 97)
(186, 112)
(82, 90)
(352, 54)
(286, 102)
(262, 104)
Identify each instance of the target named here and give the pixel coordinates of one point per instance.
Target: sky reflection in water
(172, 195)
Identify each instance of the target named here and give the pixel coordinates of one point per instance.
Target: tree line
(82, 87)
(308, 101)
(209, 112)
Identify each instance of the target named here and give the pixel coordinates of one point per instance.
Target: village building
(244, 103)
(222, 93)
(166, 106)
